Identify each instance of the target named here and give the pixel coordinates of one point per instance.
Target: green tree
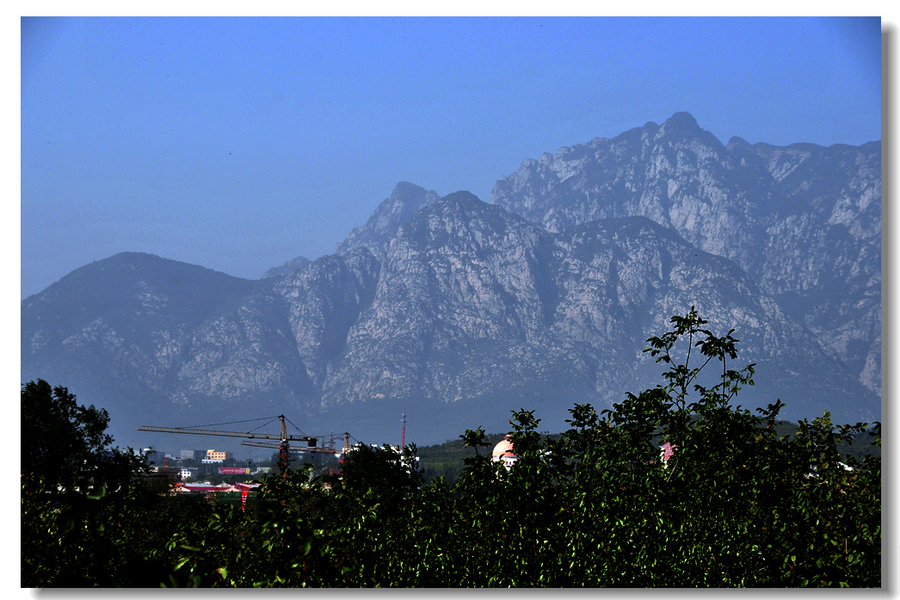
(745, 500)
(736, 505)
(386, 474)
(65, 445)
(73, 484)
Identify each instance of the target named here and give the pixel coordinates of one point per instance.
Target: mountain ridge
(775, 211)
(457, 310)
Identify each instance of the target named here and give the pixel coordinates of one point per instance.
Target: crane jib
(266, 436)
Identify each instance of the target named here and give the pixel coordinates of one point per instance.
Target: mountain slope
(804, 221)
(474, 302)
(147, 337)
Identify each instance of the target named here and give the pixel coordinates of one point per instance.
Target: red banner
(233, 471)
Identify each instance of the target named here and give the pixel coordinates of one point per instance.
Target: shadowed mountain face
(455, 311)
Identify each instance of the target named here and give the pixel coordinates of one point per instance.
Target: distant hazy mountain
(454, 311)
(287, 268)
(404, 202)
(803, 221)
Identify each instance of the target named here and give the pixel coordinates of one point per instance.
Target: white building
(503, 451)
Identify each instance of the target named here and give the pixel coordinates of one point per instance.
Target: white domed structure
(504, 451)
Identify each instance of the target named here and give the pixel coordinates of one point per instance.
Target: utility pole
(403, 432)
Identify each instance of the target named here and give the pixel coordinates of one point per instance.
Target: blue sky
(240, 143)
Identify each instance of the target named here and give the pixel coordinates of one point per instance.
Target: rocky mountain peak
(680, 123)
(768, 209)
(405, 200)
(735, 141)
(287, 268)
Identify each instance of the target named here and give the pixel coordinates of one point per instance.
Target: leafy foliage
(72, 482)
(65, 445)
(739, 502)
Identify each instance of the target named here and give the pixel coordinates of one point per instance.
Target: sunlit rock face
(472, 298)
(804, 221)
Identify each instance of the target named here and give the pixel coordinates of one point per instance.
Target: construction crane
(316, 450)
(283, 446)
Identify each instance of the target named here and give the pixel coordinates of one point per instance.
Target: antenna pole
(403, 432)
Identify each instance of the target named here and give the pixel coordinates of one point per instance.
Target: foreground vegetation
(737, 505)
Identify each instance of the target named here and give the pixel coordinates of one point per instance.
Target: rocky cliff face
(804, 221)
(455, 311)
(472, 299)
(322, 302)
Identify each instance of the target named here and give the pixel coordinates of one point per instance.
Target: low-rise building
(193, 454)
(216, 456)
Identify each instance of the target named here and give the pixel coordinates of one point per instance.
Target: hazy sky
(240, 143)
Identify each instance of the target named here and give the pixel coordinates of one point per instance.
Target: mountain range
(453, 311)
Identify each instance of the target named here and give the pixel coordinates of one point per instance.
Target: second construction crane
(283, 445)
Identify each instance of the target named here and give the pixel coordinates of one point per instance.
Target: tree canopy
(675, 486)
(65, 445)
